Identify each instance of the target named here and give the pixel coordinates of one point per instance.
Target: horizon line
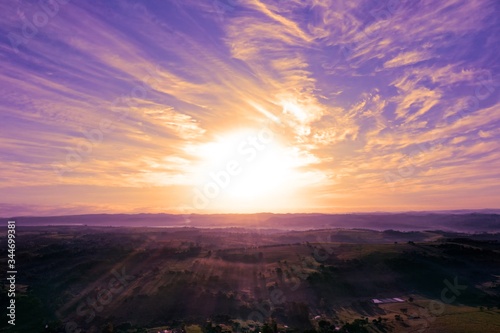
(436, 211)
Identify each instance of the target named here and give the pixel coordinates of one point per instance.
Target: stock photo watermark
(222, 7)
(94, 137)
(295, 276)
(11, 272)
(379, 15)
(94, 303)
(32, 24)
(247, 150)
(484, 88)
(435, 308)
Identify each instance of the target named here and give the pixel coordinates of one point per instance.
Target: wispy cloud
(105, 97)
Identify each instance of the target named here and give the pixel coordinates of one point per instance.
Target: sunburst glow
(245, 168)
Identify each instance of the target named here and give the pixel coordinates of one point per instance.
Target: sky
(241, 106)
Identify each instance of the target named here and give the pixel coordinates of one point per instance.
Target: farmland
(119, 279)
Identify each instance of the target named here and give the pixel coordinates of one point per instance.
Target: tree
(208, 327)
(279, 273)
(266, 328)
(357, 326)
(108, 328)
(274, 326)
(325, 326)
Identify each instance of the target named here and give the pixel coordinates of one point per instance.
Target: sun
(245, 170)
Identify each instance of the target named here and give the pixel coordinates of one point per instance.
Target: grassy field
(131, 280)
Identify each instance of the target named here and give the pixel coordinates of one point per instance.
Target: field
(194, 280)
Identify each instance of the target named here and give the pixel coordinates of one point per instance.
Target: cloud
(458, 139)
(357, 90)
(406, 58)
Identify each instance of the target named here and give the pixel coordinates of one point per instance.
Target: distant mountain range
(458, 221)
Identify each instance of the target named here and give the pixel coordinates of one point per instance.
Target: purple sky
(130, 106)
